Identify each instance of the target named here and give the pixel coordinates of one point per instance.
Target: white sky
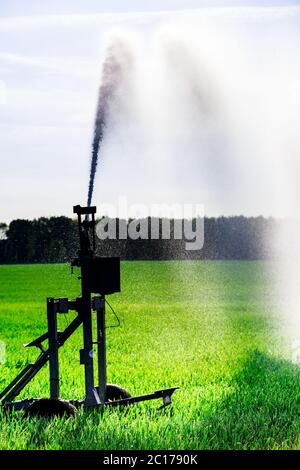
(50, 59)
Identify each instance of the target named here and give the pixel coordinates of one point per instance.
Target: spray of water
(118, 60)
(213, 119)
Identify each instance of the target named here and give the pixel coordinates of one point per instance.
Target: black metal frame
(84, 306)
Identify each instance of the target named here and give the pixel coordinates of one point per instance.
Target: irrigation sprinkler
(101, 276)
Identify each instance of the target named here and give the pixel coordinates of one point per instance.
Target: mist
(211, 116)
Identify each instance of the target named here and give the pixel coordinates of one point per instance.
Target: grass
(207, 327)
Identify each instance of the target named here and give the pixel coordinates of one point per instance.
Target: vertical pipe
(91, 396)
(85, 259)
(101, 339)
(53, 348)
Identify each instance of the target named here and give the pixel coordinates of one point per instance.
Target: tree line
(55, 239)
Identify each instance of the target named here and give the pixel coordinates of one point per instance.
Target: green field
(207, 327)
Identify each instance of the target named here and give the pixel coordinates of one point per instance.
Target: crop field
(207, 327)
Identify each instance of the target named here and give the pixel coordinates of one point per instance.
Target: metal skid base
(164, 394)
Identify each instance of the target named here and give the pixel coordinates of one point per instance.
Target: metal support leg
(91, 395)
(26, 375)
(53, 348)
(101, 339)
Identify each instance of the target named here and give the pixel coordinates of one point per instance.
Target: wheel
(49, 407)
(115, 392)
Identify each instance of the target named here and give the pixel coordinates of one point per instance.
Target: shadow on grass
(262, 408)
